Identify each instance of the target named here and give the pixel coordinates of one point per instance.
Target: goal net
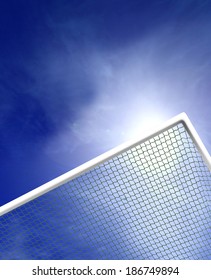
(147, 199)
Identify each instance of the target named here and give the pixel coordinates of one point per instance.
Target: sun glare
(145, 123)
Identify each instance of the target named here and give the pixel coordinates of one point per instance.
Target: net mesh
(152, 201)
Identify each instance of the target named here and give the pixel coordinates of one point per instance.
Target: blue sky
(80, 77)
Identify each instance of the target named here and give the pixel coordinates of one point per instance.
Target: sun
(144, 122)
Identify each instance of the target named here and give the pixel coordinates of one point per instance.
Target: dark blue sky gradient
(79, 77)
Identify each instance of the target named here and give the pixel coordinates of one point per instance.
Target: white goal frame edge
(181, 118)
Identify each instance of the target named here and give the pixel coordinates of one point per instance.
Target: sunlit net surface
(153, 201)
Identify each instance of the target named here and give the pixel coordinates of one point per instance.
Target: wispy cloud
(146, 82)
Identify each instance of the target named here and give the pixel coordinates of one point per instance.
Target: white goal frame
(181, 118)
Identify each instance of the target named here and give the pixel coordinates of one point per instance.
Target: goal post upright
(70, 175)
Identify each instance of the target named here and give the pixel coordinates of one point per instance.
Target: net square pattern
(153, 201)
